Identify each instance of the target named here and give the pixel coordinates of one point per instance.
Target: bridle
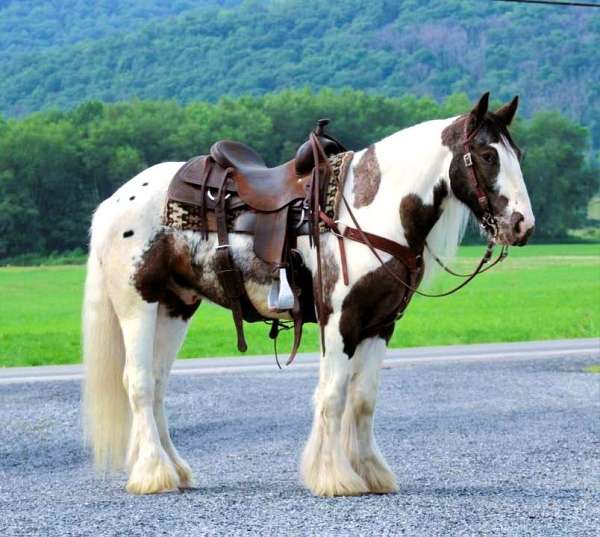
(488, 220)
(414, 263)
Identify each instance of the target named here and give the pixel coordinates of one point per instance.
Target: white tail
(106, 406)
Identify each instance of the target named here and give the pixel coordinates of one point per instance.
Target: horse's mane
(446, 235)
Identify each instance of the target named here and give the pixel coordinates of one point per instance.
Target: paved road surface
(485, 440)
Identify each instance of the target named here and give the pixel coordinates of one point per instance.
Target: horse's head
(485, 172)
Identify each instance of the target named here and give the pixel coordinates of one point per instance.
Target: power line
(551, 3)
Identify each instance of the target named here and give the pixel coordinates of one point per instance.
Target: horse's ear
(480, 110)
(507, 112)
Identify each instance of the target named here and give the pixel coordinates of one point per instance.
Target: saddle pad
(340, 164)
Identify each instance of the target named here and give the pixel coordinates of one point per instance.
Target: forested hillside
(55, 167)
(57, 54)
(29, 25)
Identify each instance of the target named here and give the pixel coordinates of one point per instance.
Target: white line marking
(396, 358)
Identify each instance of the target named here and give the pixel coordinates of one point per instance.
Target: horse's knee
(332, 402)
(141, 392)
(363, 399)
(159, 393)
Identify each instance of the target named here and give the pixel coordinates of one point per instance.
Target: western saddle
(232, 190)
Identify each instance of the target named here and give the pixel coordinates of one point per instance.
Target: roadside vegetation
(539, 292)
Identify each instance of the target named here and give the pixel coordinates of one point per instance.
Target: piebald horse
(410, 187)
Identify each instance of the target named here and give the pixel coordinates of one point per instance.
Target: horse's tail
(106, 412)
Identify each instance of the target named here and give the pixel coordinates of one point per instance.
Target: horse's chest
(373, 304)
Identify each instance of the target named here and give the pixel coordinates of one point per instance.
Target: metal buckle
(489, 224)
(212, 198)
(467, 157)
(339, 234)
(301, 221)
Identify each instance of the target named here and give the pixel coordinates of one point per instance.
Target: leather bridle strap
(488, 221)
(361, 236)
(501, 257)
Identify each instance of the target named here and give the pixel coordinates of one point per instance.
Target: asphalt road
(484, 440)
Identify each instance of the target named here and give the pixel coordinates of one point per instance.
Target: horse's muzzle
(516, 230)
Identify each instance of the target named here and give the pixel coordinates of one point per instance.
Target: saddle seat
(262, 188)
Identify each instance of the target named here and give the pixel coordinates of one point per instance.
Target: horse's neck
(410, 162)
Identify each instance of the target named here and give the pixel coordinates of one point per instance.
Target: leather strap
(402, 253)
(229, 277)
(488, 221)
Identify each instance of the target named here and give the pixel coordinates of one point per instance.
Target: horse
(414, 187)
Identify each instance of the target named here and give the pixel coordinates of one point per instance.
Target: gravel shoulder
(480, 447)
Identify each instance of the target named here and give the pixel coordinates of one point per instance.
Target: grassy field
(539, 292)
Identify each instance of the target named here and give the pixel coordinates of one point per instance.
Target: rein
(414, 261)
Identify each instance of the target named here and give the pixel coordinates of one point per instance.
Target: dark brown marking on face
(367, 177)
(164, 269)
(371, 306)
(418, 218)
(485, 160)
(128, 233)
(330, 275)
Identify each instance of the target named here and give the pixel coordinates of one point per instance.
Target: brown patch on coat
(371, 307)
(167, 274)
(367, 177)
(418, 218)
(252, 267)
(330, 273)
(164, 269)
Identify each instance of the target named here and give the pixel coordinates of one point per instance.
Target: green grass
(539, 292)
(592, 369)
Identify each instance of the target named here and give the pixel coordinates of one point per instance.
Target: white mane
(446, 236)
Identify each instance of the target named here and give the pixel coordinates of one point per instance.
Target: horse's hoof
(153, 476)
(351, 486)
(377, 476)
(184, 472)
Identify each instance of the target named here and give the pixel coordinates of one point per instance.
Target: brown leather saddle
(233, 190)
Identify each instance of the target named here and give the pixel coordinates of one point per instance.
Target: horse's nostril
(515, 221)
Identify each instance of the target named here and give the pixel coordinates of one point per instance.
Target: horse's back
(133, 213)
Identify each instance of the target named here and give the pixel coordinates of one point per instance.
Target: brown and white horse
(410, 187)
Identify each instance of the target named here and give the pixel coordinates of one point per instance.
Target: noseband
(487, 221)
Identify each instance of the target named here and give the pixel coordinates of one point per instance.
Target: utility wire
(550, 3)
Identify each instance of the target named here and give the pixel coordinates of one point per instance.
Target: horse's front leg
(325, 467)
(357, 424)
(151, 469)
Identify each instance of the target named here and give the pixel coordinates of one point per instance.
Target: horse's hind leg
(325, 467)
(357, 423)
(170, 333)
(151, 469)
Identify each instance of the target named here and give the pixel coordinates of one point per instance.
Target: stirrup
(281, 296)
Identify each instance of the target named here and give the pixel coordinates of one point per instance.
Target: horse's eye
(489, 157)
